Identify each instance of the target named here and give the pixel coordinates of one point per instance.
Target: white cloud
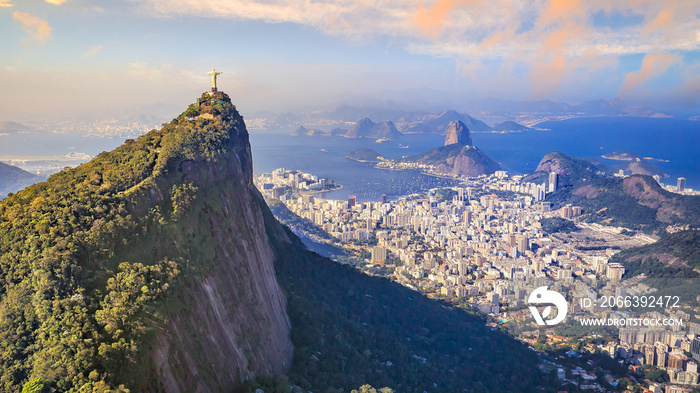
(556, 40)
(36, 28)
(92, 51)
(457, 27)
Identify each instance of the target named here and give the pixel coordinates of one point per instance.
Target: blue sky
(68, 56)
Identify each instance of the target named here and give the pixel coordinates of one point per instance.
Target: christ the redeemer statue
(213, 74)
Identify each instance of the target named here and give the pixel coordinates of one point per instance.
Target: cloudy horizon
(70, 56)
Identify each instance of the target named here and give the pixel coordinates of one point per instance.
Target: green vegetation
(653, 374)
(370, 389)
(445, 194)
(672, 265)
(271, 384)
(636, 202)
(351, 329)
(683, 247)
(558, 224)
(85, 274)
(365, 155)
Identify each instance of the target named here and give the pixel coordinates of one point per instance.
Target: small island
(509, 126)
(303, 131)
(624, 155)
(365, 155)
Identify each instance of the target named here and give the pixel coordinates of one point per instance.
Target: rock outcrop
(458, 133)
(458, 160)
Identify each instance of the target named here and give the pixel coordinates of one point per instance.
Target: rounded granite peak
(458, 133)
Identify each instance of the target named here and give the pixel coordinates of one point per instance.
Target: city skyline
(81, 55)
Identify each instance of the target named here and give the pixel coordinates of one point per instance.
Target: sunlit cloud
(465, 28)
(92, 51)
(431, 20)
(561, 10)
(5, 3)
(55, 2)
(653, 65)
(555, 40)
(35, 28)
(662, 21)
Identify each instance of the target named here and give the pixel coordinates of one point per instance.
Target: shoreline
(437, 175)
(320, 191)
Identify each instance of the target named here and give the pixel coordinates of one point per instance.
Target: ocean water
(676, 141)
(325, 157)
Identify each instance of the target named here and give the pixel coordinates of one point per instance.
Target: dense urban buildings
(484, 243)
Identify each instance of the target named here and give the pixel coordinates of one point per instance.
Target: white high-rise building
(680, 187)
(378, 254)
(553, 178)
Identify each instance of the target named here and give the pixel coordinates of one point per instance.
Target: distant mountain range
(10, 127)
(303, 131)
(413, 123)
(495, 106)
(438, 124)
(366, 128)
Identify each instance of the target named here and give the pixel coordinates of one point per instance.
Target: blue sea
(674, 141)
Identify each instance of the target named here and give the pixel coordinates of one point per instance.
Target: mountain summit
(457, 132)
(458, 156)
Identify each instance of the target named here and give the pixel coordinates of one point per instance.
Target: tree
(370, 389)
(33, 386)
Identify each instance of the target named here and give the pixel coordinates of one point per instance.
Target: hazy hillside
(13, 179)
(637, 201)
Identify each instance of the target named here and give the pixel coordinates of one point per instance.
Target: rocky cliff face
(458, 133)
(235, 327)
